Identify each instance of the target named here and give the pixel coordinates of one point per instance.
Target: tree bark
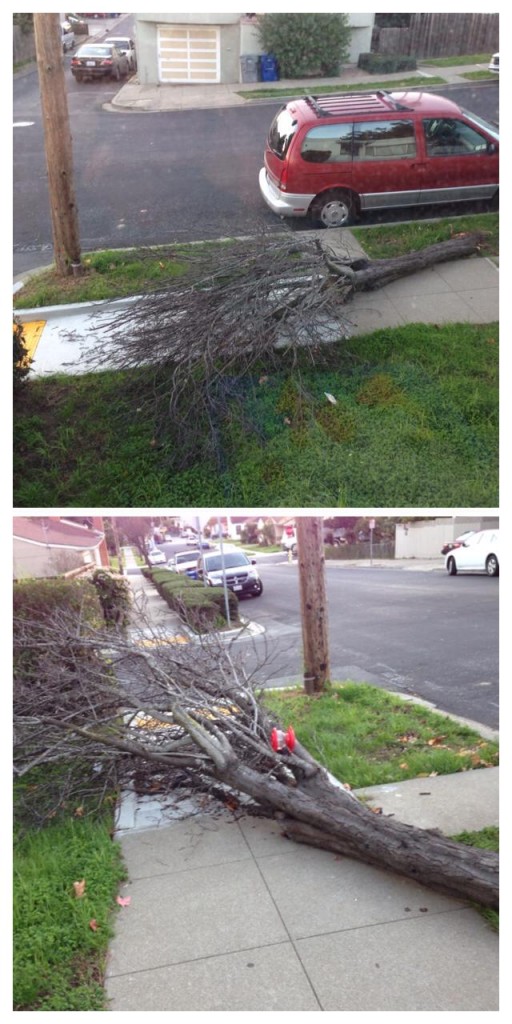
(313, 599)
(329, 817)
(368, 275)
(58, 145)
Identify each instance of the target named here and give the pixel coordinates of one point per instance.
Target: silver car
(126, 46)
(494, 63)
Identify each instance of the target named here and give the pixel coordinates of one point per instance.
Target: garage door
(188, 54)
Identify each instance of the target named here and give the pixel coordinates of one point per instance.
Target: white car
(126, 46)
(479, 553)
(183, 561)
(494, 63)
(157, 557)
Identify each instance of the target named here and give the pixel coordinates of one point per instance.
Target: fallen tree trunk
(367, 275)
(330, 817)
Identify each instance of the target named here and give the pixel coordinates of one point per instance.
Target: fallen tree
(244, 309)
(193, 717)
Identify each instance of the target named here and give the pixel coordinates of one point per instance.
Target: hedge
(203, 608)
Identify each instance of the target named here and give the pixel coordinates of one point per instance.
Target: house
(46, 546)
(180, 49)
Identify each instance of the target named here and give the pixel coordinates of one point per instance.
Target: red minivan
(330, 157)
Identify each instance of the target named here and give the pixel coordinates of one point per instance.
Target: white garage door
(188, 54)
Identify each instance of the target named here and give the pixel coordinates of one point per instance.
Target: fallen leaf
(286, 420)
(79, 812)
(436, 741)
(93, 925)
(376, 810)
(404, 765)
(263, 380)
(124, 901)
(79, 888)
(330, 398)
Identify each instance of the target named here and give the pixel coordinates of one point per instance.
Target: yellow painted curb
(32, 335)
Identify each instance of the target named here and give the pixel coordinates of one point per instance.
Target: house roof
(53, 532)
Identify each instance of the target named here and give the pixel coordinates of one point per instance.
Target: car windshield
(187, 556)
(480, 122)
(231, 561)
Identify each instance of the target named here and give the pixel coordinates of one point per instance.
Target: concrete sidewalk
(136, 96)
(225, 914)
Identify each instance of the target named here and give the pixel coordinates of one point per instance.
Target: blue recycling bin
(269, 68)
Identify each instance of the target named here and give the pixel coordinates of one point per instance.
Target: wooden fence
(440, 35)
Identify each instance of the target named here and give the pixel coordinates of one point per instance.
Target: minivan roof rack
(353, 102)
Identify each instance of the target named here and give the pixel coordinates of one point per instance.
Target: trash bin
(269, 69)
(249, 63)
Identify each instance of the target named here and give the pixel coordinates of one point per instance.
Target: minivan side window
(328, 142)
(384, 140)
(447, 136)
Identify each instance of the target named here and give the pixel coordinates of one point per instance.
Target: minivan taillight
(283, 179)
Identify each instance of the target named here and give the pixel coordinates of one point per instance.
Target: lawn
(415, 420)
(367, 737)
(416, 423)
(60, 939)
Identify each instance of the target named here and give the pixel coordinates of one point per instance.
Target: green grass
(115, 273)
(454, 62)
(367, 737)
(416, 423)
(397, 239)
(476, 76)
(405, 82)
(486, 839)
(59, 959)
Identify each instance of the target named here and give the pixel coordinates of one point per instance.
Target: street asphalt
(225, 914)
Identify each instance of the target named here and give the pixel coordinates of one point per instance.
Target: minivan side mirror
(492, 147)
(253, 561)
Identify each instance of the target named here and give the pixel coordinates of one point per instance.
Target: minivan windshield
(231, 561)
(281, 133)
(480, 122)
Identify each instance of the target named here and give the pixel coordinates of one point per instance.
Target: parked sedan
(494, 63)
(479, 553)
(126, 46)
(156, 557)
(99, 60)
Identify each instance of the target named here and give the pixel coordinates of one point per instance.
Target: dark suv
(238, 570)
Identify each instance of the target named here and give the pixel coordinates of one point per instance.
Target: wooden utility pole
(310, 544)
(59, 156)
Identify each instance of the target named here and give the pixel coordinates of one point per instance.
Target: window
(329, 142)
(281, 133)
(446, 136)
(384, 140)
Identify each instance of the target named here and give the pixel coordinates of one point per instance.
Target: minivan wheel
(334, 209)
(492, 566)
(452, 567)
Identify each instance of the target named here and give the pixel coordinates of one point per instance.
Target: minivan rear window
(281, 133)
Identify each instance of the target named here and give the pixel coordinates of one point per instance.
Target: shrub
(37, 599)
(115, 596)
(20, 357)
(306, 44)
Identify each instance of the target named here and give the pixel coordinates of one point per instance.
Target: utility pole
(313, 599)
(59, 156)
